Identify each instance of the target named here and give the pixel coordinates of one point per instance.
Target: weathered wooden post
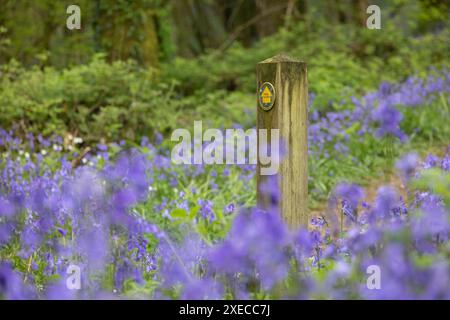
(282, 95)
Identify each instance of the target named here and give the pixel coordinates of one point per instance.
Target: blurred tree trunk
(332, 12)
(199, 25)
(126, 29)
(149, 46)
(360, 14)
(346, 11)
(303, 8)
(236, 13)
(269, 24)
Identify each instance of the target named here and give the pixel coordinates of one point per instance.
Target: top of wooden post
(280, 58)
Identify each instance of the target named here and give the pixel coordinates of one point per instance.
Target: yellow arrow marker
(266, 95)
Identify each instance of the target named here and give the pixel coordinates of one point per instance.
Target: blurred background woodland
(155, 31)
(141, 66)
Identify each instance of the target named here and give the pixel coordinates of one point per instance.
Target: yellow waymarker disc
(266, 96)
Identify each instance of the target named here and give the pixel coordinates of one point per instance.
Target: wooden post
(288, 113)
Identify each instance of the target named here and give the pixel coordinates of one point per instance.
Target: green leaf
(179, 213)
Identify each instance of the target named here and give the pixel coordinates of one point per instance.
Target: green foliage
(95, 101)
(101, 101)
(437, 181)
(429, 123)
(342, 61)
(122, 100)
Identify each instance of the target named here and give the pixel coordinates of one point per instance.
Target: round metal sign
(266, 96)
